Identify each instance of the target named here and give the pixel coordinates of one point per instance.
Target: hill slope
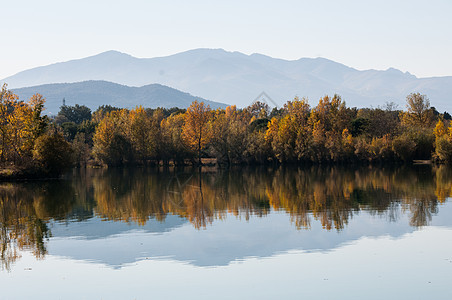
(236, 78)
(96, 93)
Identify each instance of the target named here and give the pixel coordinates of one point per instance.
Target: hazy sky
(414, 36)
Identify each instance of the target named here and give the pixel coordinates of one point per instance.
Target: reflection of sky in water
(417, 265)
(225, 241)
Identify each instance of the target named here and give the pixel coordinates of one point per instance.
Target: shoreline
(9, 174)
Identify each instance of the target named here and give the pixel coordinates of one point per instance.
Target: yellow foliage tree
(140, 131)
(196, 131)
(228, 131)
(111, 145)
(418, 111)
(7, 98)
(20, 125)
(173, 144)
(440, 129)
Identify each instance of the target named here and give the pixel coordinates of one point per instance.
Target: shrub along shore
(35, 145)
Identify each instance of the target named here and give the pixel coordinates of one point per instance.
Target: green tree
(80, 149)
(76, 114)
(53, 153)
(404, 147)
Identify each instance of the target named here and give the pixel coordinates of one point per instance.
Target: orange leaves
(231, 111)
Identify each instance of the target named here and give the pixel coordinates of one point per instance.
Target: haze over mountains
(236, 78)
(96, 93)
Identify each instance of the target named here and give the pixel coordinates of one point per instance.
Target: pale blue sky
(414, 36)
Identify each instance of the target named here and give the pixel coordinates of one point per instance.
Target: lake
(242, 233)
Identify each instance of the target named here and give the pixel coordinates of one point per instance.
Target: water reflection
(328, 195)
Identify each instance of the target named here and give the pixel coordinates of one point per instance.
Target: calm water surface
(249, 233)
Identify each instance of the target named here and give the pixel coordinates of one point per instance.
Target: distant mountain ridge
(96, 93)
(237, 78)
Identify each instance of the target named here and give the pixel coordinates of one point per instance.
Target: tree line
(329, 132)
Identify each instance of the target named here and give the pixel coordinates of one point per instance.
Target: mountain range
(95, 93)
(237, 78)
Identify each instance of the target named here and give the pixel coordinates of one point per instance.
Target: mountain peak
(112, 54)
(394, 70)
(400, 73)
(208, 52)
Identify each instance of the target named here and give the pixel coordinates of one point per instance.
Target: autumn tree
(228, 131)
(102, 111)
(440, 129)
(443, 148)
(328, 120)
(21, 124)
(139, 131)
(173, 144)
(220, 136)
(295, 129)
(19, 131)
(196, 131)
(7, 100)
(376, 122)
(111, 145)
(443, 141)
(418, 111)
(258, 109)
(237, 134)
(156, 135)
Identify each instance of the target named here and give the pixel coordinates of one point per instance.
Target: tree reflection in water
(330, 195)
